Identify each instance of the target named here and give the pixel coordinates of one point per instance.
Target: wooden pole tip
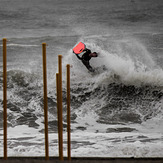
(4, 39)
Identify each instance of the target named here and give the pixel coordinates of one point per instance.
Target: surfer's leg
(91, 69)
(86, 63)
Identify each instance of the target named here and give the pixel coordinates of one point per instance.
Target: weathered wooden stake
(60, 108)
(45, 101)
(68, 114)
(5, 96)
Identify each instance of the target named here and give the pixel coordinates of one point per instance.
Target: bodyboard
(79, 48)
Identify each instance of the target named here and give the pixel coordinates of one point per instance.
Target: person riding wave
(86, 58)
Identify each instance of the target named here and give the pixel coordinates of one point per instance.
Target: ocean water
(116, 111)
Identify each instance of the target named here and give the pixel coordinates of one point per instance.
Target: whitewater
(117, 111)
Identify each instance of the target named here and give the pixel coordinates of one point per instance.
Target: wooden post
(45, 101)
(60, 108)
(5, 97)
(68, 114)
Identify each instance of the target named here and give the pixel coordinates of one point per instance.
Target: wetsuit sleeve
(79, 57)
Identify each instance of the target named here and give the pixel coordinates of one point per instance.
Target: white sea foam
(87, 144)
(128, 59)
(20, 45)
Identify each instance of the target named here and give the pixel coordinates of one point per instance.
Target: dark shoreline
(82, 160)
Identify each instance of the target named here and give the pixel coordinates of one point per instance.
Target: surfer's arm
(79, 57)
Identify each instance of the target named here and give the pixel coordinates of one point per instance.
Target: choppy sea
(116, 111)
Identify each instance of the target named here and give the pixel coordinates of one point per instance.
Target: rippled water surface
(117, 111)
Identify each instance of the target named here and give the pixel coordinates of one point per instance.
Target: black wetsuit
(85, 59)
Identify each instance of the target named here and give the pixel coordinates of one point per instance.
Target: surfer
(85, 58)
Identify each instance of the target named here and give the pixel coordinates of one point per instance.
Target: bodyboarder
(85, 58)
